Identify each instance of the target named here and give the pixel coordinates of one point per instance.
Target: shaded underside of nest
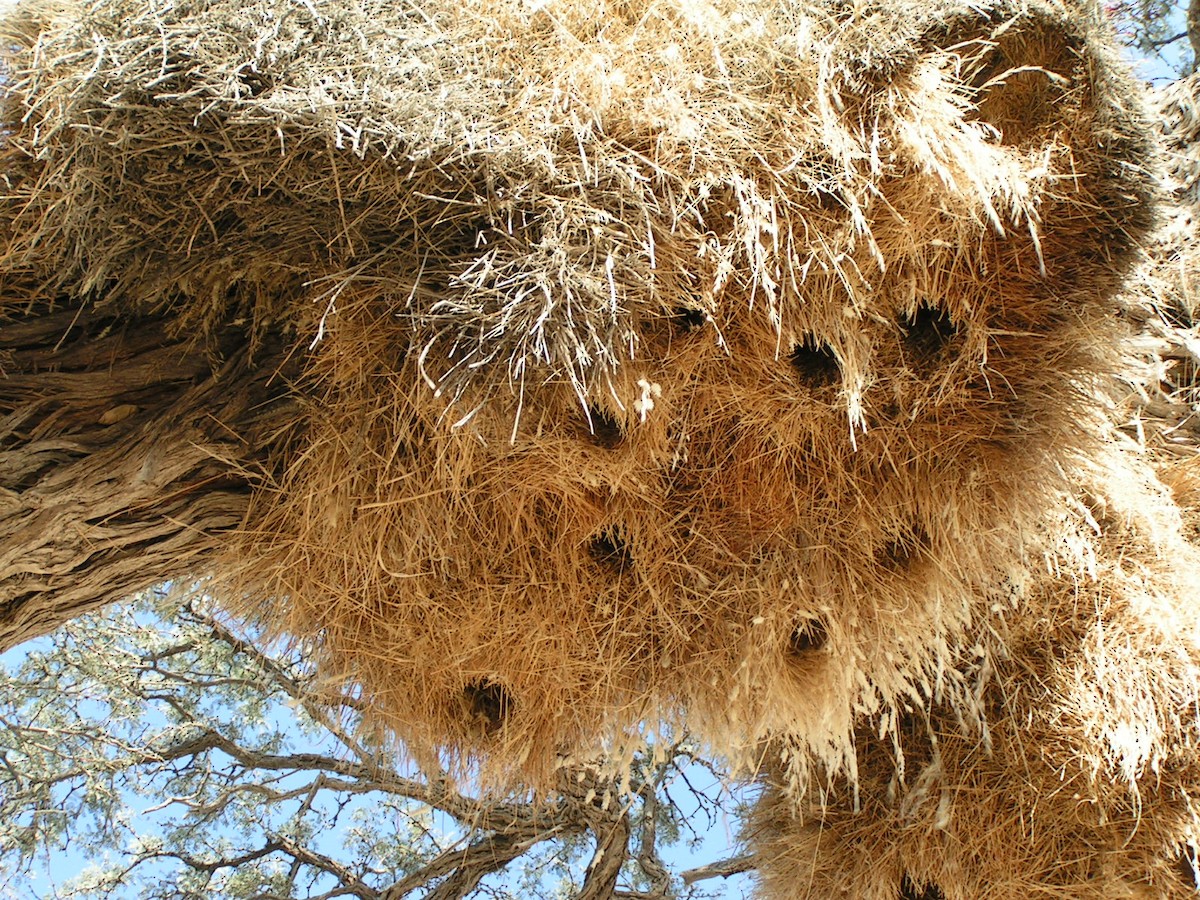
(660, 360)
(1077, 781)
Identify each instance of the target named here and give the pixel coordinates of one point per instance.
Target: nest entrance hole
(604, 430)
(1023, 81)
(911, 890)
(610, 550)
(815, 363)
(927, 332)
(688, 318)
(888, 412)
(904, 551)
(808, 638)
(489, 704)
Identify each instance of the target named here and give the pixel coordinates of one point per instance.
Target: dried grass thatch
(1075, 775)
(659, 356)
(1078, 782)
(1162, 299)
(756, 366)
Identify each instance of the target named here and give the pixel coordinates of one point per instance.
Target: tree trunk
(125, 452)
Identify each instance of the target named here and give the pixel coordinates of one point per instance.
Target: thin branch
(349, 882)
(464, 869)
(290, 686)
(1166, 42)
(200, 865)
(725, 868)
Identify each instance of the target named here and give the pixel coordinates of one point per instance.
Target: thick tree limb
(612, 850)
(125, 452)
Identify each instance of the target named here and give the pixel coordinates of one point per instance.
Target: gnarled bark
(125, 452)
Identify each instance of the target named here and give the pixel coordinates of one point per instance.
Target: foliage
(185, 762)
(1155, 31)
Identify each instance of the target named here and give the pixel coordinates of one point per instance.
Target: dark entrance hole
(810, 636)
(927, 333)
(488, 703)
(909, 890)
(815, 363)
(610, 550)
(689, 319)
(605, 431)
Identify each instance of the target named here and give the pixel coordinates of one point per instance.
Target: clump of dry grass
(1079, 781)
(1074, 775)
(661, 359)
(1162, 297)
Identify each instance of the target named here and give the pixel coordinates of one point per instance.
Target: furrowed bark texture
(125, 452)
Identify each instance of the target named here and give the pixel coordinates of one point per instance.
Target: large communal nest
(1078, 779)
(728, 360)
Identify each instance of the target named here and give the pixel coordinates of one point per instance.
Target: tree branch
(726, 868)
(1166, 42)
(351, 883)
(464, 869)
(210, 866)
(1193, 28)
(125, 451)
